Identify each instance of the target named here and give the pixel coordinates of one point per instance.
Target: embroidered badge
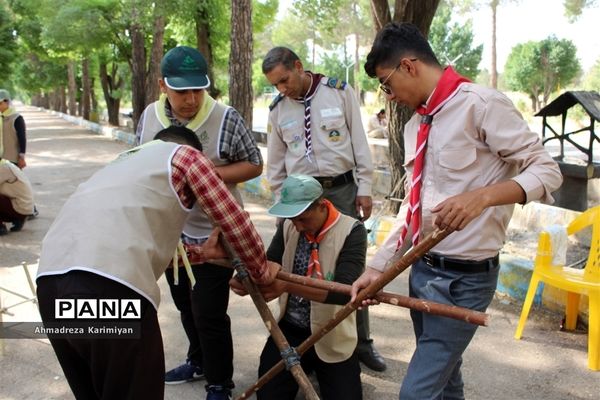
(335, 136)
(203, 136)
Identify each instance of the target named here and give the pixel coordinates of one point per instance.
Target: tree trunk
(204, 45)
(493, 67)
(138, 68)
(420, 13)
(63, 99)
(240, 59)
(152, 87)
(85, 83)
(93, 99)
(110, 84)
(72, 102)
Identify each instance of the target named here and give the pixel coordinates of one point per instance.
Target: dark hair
(179, 134)
(279, 55)
(395, 41)
(382, 111)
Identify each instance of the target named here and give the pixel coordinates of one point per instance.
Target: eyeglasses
(384, 86)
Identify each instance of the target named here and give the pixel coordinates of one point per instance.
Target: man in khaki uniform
(315, 129)
(13, 141)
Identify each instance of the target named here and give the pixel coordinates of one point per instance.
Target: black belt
(465, 266)
(331, 181)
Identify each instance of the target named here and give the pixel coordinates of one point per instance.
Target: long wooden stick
(398, 264)
(271, 324)
(431, 307)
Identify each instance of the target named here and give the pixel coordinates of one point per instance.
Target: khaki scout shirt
(477, 139)
(338, 139)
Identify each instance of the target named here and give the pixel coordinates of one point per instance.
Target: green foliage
(574, 8)
(8, 50)
(317, 14)
(453, 43)
(592, 78)
(541, 68)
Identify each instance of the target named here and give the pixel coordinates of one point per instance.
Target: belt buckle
(428, 260)
(327, 183)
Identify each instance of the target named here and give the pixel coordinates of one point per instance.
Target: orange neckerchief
(314, 266)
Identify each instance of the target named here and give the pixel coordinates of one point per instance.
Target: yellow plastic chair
(575, 281)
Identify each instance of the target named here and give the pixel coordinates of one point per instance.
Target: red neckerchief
(314, 266)
(446, 87)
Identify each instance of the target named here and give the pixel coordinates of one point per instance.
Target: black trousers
(107, 369)
(205, 321)
(7, 211)
(336, 380)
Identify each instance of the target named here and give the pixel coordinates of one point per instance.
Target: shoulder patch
(335, 83)
(275, 101)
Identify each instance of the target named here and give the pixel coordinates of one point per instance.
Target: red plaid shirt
(195, 179)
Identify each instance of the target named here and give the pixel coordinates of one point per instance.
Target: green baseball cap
(4, 94)
(298, 192)
(184, 68)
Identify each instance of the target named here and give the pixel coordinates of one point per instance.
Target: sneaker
(217, 392)
(3, 230)
(187, 372)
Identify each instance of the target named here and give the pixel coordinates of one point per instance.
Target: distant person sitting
(16, 197)
(377, 127)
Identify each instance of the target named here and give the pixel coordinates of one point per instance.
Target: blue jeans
(434, 369)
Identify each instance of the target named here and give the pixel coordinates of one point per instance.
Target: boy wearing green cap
(229, 144)
(315, 240)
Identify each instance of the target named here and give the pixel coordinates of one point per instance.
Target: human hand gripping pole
(398, 263)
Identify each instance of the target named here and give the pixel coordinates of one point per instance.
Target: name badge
(331, 112)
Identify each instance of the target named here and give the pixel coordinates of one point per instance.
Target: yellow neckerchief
(207, 106)
(5, 114)
(314, 266)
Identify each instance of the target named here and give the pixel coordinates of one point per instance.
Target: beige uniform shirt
(338, 139)
(15, 185)
(477, 139)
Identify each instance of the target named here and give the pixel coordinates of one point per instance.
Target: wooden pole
(430, 307)
(293, 358)
(397, 264)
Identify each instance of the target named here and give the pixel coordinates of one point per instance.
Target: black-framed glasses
(384, 86)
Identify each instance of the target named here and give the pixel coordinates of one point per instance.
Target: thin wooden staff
(288, 353)
(398, 263)
(431, 307)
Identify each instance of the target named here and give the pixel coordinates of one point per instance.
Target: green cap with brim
(184, 68)
(298, 192)
(4, 94)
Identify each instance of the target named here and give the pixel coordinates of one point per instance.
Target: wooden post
(430, 307)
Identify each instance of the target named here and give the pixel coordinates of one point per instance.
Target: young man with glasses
(470, 157)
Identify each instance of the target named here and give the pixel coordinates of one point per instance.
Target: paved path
(546, 364)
